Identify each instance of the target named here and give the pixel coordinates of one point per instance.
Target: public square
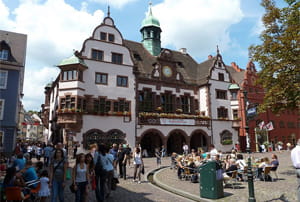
(283, 189)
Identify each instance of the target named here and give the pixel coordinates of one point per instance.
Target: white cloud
(54, 29)
(257, 28)
(115, 3)
(35, 82)
(198, 25)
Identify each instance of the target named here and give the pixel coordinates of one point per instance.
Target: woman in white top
(80, 178)
(138, 163)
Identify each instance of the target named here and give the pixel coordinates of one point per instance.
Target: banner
(189, 122)
(261, 125)
(270, 126)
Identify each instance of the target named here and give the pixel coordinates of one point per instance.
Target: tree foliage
(279, 56)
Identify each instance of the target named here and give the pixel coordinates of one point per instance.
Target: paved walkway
(128, 191)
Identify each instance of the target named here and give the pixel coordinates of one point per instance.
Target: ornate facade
(116, 90)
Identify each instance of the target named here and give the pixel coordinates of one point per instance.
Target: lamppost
(249, 171)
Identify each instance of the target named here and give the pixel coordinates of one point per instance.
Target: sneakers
(139, 182)
(134, 180)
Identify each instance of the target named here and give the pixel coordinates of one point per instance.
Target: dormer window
(4, 54)
(219, 64)
(111, 37)
(221, 76)
(103, 36)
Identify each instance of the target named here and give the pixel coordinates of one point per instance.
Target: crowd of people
(95, 171)
(99, 169)
(188, 164)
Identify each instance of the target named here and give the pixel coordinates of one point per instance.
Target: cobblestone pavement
(128, 190)
(284, 189)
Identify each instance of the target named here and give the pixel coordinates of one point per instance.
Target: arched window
(226, 138)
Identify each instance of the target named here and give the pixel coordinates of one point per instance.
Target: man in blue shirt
(19, 163)
(114, 151)
(29, 175)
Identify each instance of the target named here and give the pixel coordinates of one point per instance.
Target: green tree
(279, 56)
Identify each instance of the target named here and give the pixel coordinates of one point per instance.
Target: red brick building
(286, 125)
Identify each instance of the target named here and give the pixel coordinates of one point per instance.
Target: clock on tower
(167, 71)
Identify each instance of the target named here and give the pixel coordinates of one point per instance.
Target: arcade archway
(150, 140)
(199, 139)
(175, 141)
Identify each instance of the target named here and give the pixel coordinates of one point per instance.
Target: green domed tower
(151, 33)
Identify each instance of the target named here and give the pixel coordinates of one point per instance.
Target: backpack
(99, 169)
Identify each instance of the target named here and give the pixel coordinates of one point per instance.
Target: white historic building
(119, 91)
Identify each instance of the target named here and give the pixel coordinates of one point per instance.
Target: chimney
(209, 57)
(183, 50)
(236, 67)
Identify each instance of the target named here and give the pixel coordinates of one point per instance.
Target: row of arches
(95, 136)
(150, 139)
(174, 141)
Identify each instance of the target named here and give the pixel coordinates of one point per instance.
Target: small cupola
(151, 31)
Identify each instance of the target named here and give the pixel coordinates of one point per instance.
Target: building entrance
(175, 142)
(150, 141)
(199, 139)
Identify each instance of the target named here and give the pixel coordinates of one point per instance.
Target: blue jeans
(57, 191)
(80, 192)
(100, 187)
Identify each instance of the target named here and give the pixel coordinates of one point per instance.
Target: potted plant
(227, 142)
(159, 109)
(179, 110)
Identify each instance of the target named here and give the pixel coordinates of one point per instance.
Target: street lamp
(249, 171)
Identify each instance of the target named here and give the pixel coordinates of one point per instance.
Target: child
(44, 191)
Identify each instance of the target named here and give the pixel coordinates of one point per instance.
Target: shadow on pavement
(281, 198)
(125, 195)
(288, 172)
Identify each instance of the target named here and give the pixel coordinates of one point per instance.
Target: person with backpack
(58, 170)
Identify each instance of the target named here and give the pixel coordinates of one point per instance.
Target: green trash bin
(211, 180)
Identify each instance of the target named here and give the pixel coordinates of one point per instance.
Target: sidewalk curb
(176, 191)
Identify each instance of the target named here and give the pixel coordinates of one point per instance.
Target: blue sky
(57, 27)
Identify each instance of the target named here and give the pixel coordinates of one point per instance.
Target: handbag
(72, 188)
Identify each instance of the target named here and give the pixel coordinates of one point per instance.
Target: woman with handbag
(138, 164)
(58, 170)
(80, 178)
